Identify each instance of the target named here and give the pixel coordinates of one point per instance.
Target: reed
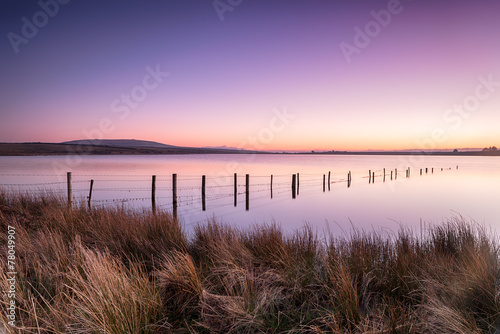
(112, 270)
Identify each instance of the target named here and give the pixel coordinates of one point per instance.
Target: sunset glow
(281, 75)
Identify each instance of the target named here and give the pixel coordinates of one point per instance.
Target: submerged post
(90, 192)
(293, 185)
(247, 188)
(391, 175)
(235, 189)
(298, 183)
(324, 178)
(426, 170)
(153, 193)
(203, 182)
(395, 173)
(271, 186)
(328, 180)
(349, 179)
(70, 191)
(384, 174)
(369, 176)
(174, 194)
(420, 171)
(373, 177)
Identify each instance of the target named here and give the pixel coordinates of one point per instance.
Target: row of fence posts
(295, 187)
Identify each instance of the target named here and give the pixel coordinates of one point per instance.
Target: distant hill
(119, 142)
(107, 147)
(223, 147)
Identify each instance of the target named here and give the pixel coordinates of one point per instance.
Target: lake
(452, 186)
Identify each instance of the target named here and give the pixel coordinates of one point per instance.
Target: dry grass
(119, 271)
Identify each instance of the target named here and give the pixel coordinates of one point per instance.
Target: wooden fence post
(293, 185)
(395, 173)
(271, 186)
(90, 192)
(70, 191)
(324, 177)
(328, 180)
(373, 177)
(384, 174)
(298, 183)
(174, 194)
(203, 183)
(235, 189)
(153, 194)
(247, 188)
(370, 176)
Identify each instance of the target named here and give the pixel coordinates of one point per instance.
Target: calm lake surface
(472, 190)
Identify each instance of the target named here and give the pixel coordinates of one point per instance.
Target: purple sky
(253, 74)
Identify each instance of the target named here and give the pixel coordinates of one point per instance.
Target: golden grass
(121, 271)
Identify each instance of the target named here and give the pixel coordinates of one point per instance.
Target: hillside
(120, 143)
(114, 147)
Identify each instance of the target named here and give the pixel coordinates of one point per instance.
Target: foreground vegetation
(117, 271)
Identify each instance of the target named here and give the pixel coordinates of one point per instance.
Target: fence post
(395, 173)
(174, 194)
(328, 180)
(349, 179)
(90, 193)
(203, 183)
(235, 189)
(298, 183)
(384, 174)
(426, 170)
(70, 191)
(153, 194)
(247, 188)
(391, 175)
(369, 176)
(293, 185)
(324, 177)
(373, 177)
(420, 171)
(271, 186)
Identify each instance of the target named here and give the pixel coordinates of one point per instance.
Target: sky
(253, 74)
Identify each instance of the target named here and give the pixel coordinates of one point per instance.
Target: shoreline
(58, 149)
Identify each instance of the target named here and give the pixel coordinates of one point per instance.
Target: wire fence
(193, 193)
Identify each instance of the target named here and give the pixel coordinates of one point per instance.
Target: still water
(472, 190)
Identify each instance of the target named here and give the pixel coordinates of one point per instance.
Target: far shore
(43, 149)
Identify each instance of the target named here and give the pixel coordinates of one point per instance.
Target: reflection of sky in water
(471, 191)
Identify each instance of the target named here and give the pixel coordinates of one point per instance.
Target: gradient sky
(228, 78)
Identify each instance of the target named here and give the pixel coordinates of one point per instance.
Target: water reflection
(471, 190)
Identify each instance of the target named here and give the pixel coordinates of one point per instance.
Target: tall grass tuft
(112, 270)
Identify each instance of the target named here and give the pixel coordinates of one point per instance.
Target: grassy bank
(117, 271)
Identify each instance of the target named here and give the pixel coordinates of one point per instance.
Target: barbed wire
(307, 183)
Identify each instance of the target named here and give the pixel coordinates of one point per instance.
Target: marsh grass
(111, 270)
